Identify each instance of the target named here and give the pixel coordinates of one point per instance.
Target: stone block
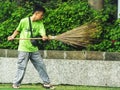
(75, 55)
(112, 56)
(94, 55)
(12, 53)
(54, 54)
(2, 52)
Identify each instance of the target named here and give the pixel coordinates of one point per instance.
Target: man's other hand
(44, 38)
(10, 38)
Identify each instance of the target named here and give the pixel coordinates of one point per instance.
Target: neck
(32, 18)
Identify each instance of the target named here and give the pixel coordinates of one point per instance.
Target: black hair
(38, 7)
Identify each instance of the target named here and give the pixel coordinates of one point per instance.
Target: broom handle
(49, 37)
(27, 38)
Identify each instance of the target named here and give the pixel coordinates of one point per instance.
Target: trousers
(37, 61)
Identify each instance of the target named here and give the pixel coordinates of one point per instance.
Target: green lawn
(59, 87)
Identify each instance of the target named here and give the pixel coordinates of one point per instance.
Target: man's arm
(15, 33)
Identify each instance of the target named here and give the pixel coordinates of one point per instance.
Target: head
(38, 12)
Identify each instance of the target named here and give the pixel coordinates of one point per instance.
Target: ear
(35, 13)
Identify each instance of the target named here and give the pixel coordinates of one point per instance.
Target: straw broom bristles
(80, 36)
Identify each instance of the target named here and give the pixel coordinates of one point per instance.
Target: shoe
(14, 86)
(49, 86)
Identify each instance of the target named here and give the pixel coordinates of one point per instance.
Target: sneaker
(14, 86)
(49, 86)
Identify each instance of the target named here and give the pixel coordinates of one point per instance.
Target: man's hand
(10, 38)
(16, 32)
(44, 38)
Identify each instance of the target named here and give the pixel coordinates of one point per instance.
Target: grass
(58, 87)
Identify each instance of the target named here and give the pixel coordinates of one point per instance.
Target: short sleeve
(19, 28)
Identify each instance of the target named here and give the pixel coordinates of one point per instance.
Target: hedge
(61, 17)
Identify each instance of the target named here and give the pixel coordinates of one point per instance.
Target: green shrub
(110, 29)
(11, 15)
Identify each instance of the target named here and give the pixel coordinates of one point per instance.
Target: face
(38, 15)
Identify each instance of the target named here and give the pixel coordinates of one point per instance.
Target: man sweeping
(27, 51)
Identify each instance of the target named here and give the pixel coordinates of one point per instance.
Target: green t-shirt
(23, 28)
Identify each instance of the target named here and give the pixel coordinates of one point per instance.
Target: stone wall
(71, 55)
(67, 67)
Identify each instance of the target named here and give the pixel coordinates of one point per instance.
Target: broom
(80, 36)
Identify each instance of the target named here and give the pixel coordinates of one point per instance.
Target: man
(27, 50)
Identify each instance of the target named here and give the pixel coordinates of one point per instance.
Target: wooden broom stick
(49, 37)
(27, 38)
